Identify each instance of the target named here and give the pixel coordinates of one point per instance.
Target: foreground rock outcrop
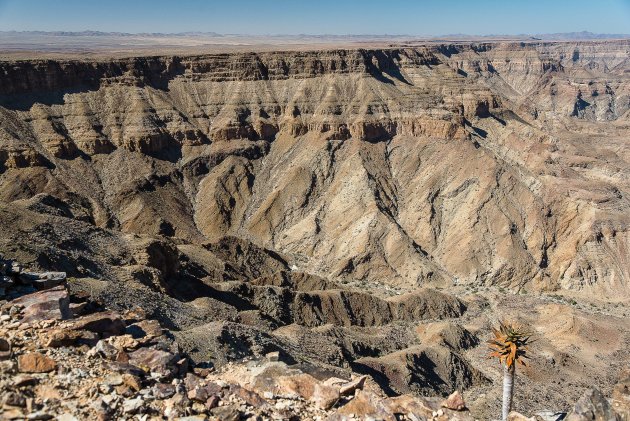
(84, 362)
(81, 362)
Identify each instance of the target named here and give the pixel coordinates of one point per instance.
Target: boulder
(43, 280)
(154, 360)
(351, 387)
(455, 401)
(226, 413)
(106, 323)
(365, 405)
(621, 395)
(5, 349)
(163, 390)
(324, 396)
(593, 406)
(60, 337)
(145, 330)
(302, 385)
(250, 397)
(50, 304)
(35, 362)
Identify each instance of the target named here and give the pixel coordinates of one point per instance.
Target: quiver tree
(509, 345)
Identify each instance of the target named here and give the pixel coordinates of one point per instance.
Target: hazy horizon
(90, 32)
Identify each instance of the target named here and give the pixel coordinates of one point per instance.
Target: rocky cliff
(499, 163)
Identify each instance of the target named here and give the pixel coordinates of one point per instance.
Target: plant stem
(508, 390)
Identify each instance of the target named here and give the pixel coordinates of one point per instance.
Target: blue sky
(413, 17)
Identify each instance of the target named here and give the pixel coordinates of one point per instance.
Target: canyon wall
(490, 163)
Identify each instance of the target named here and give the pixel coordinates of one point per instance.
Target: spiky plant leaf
(509, 343)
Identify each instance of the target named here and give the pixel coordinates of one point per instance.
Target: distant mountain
(561, 36)
(583, 35)
(111, 34)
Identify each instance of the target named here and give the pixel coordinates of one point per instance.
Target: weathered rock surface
(35, 362)
(403, 166)
(109, 380)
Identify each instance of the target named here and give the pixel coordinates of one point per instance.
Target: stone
(192, 381)
(163, 390)
(203, 371)
(12, 414)
(125, 391)
(123, 342)
(132, 406)
(273, 356)
(60, 337)
(212, 402)
(366, 405)
(593, 405)
(35, 362)
(154, 360)
(145, 329)
(620, 399)
(131, 381)
(122, 357)
(14, 399)
(411, 405)
(325, 397)
(5, 349)
(182, 366)
(549, 416)
(121, 367)
(250, 397)
(302, 384)
(78, 309)
(106, 350)
(199, 394)
(455, 401)
(66, 417)
(39, 416)
(105, 323)
(349, 388)
(112, 380)
(43, 280)
(198, 407)
(22, 380)
(50, 304)
(226, 413)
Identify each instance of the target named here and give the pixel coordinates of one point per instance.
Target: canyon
(359, 210)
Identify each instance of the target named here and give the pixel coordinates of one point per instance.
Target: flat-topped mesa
(150, 104)
(29, 76)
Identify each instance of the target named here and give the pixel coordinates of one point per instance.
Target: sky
(335, 17)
